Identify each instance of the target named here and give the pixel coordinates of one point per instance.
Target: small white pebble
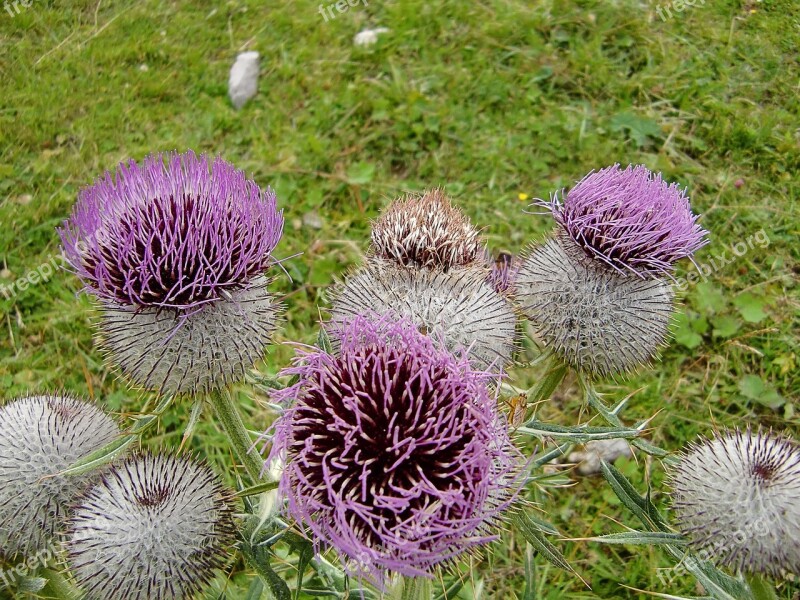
(589, 459)
(312, 220)
(243, 81)
(368, 36)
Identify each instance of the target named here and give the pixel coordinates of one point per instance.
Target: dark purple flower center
(156, 255)
(377, 433)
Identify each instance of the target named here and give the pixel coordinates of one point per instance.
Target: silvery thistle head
(41, 436)
(426, 264)
(736, 496)
(395, 452)
(155, 527)
(175, 250)
(597, 292)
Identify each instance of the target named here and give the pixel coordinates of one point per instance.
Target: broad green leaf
(640, 129)
(754, 388)
(724, 326)
(360, 173)
(685, 335)
(751, 307)
(708, 298)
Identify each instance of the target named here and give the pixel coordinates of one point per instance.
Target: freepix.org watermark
(40, 274)
(10, 576)
(341, 6)
(720, 261)
(665, 12)
(14, 7)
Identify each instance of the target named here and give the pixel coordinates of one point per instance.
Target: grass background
(498, 101)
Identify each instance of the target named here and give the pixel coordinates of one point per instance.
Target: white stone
(589, 459)
(368, 36)
(243, 82)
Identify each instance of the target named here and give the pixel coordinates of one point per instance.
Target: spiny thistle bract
(457, 305)
(631, 220)
(426, 231)
(595, 318)
(175, 250)
(155, 527)
(736, 497)
(41, 436)
(396, 455)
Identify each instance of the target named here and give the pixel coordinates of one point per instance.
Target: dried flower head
(736, 497)
(154, 528)
(597, 319)
(457, 305)
(175, 250)
(41, 436)
(503, 272)
(630, 219)
(396, 455)
(426, 231)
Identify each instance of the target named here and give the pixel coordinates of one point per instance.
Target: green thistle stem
(228, 415)
(416, 588)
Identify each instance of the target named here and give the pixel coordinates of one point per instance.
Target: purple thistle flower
(175, 250)
(172, 235)
(630, 219)
(396, 455)
(503, 271)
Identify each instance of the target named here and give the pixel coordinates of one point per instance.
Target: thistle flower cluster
(596, 291)
(395, 453)
(40, 437)
(175, 249)
(736, 496)
(427, 265)
(152, 528)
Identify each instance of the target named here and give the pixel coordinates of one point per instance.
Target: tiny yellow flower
(522, 196)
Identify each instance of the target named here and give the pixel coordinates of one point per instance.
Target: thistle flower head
(175, 249)
(40, 436)
(176, 232)
(154, 528)
(426, 231)
(457, 306)
(503, 272)
(595, 318)
(395, 452)
(631, 219)
(736, 497)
